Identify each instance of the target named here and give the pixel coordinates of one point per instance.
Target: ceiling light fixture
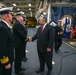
(18, 9)
(29, 8)
(31, 13)
(44, 13)
(14, 4)
(29, 4)
(21, 12)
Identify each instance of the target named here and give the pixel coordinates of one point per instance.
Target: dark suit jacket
(20, 34)
(58, 30)
(44, 39)
(6, 42)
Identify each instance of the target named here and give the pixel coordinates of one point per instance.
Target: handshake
(28, 39)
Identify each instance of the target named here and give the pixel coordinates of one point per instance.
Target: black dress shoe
(49, 72)
(56, 52)
(22, 69)
(38, 71)
(17, 72)
(24, 60)
(58, 49)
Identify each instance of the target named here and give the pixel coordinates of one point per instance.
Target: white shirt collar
(44, 25)
(6, 23)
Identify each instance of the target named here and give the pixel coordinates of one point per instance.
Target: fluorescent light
(29, 8)
(21, 12)
(14, 4)
(31, 13)
(44, 13)
(29, 4)
(18, 9)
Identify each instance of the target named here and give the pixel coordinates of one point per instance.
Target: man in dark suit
(45, 37)
(24, 58)
(20, 38)
(6, 42)
(58, 36)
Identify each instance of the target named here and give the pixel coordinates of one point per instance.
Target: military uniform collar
(6, 23)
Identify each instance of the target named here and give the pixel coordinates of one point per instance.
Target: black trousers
(24, 52)
(4, 71)
(58, 43)
(18, 56)
(45, 58)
